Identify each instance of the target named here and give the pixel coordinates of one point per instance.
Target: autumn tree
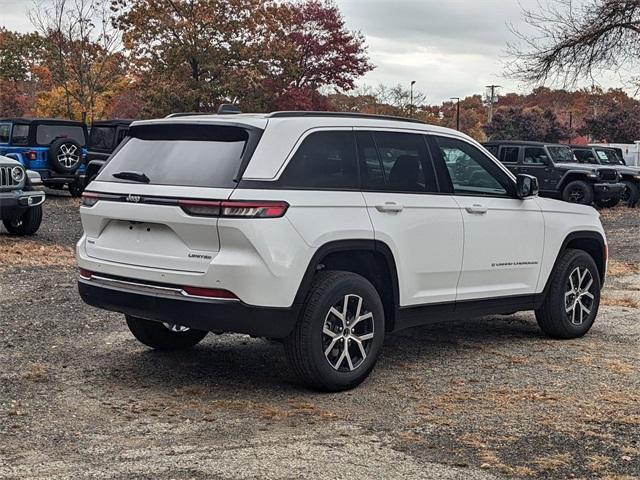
(534, 124)
(83, 55)
(571, 40)
(617, 124)
(22, 72)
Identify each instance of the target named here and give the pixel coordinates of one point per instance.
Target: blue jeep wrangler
(54, 148)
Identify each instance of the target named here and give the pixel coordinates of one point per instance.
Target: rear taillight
(86, 274)
(234, 209)
(89, 199)
(254, 209)
(31, 155)
(209, 293)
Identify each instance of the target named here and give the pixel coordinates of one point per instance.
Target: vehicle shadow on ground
(258, 367)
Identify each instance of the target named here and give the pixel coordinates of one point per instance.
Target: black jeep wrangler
(598, 155)
(559, 173)
(104, 137)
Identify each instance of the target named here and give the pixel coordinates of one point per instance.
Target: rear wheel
(76, 189)
(573, 299)
(164, 336)
(578, 191)
(27, 224)
(338, 337)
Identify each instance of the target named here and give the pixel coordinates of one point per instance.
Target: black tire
(65, 155)
(158, 336)
(552, 316)
(76, 189)
(578, 191)
(631, 194)
(27, 224)
(306, 345)
(607, 202)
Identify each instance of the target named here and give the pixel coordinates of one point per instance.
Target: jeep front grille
(6, 180)
(609, 175)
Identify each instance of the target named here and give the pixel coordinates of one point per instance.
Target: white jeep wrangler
(328, 231)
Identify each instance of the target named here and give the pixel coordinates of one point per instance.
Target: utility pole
(492, 99)
(413, 82)
(457, 112)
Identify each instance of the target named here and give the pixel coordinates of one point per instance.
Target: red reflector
(200, 208)
(209, 292)
(85, 273)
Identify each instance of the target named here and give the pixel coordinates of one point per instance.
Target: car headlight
(17, 173)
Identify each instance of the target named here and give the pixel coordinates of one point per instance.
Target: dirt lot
(80, 398)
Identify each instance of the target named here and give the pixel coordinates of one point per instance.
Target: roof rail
(293, 114)
(187, 114)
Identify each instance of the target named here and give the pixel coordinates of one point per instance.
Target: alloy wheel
(68, 155)
(579, 299)
(576, 195)
(348, 333)
(175, 327)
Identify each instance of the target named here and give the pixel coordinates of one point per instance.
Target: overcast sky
(452, 48)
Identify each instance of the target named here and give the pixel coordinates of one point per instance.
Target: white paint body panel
(442, 252)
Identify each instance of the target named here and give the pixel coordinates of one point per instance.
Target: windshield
(47, 134)
(608, 157)
(184, 155)
(561, 154)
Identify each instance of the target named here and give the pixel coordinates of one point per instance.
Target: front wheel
(164, 336)
(573, 297)
(27, 224)
(578, 191)
(338, 336)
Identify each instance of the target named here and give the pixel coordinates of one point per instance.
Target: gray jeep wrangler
(20, 200)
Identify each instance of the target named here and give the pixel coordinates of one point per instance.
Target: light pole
(413, 82)
(457, 112)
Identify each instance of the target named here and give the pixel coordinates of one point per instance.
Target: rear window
(46, 134)
(182, 155)
(102, 137)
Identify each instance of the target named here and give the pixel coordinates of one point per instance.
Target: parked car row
(574, 173)
(60, 151)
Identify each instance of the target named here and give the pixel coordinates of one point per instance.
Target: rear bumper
(220, 316)
(13, 204)
(608, 190)
(53, 177)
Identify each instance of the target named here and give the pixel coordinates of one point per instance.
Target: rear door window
(509, 154)
(181, 155)
(5, 131)
(46, 134)
(324, 160)
(20, 135)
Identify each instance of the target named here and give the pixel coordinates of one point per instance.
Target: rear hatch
(145, 201)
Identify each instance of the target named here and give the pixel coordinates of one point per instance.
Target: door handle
(389, 207)
(477, 209)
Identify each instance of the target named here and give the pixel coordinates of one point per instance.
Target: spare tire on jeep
(65, 155)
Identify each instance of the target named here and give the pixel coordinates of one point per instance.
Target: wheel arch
(589, 241)
(570, 176)
(372, 259)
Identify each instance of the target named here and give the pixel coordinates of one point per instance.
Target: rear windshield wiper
(133, 176)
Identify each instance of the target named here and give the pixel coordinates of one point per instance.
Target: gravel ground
(488, 398)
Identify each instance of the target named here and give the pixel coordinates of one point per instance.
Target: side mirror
(526, 186)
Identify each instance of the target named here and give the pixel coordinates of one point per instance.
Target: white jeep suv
(328, 231)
